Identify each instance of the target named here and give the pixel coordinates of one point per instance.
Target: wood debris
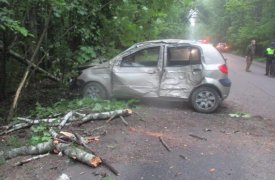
(20, 163)
(164, 144)
(197, 137)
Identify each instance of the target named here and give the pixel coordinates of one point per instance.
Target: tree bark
(105, 115)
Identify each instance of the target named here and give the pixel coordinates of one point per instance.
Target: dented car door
(182, 71)
(138, 74)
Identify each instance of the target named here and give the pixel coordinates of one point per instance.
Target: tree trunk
(23, 81)
(3, 60)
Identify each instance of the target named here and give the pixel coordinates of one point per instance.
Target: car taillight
(223, 69)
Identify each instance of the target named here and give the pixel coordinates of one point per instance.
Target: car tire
(205, 100)
(94, 90)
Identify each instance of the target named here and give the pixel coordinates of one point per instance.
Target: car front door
(138, 74)
(182, 71)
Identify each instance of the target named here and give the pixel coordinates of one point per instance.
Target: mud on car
(172, 69)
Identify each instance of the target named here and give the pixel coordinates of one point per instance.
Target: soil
(203, 146)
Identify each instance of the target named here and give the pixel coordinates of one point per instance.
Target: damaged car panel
(182, 71)
(137, 74)
(175, 69)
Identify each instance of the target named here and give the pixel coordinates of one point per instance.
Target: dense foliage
(80, 30)
(238, 22)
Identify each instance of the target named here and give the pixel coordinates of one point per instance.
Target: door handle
(196, 70)
(151, 71)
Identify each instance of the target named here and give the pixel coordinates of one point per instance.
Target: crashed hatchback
(171, 69)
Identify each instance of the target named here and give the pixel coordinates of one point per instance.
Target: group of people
(269, 55)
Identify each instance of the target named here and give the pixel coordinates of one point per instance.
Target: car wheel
(94, 90)
(205, 100)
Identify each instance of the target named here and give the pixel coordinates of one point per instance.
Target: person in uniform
(269, 54)
(250, 53)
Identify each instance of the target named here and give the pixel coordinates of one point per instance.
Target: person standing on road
(250, 53)
(270, 55)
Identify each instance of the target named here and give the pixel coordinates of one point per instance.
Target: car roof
(166, 41)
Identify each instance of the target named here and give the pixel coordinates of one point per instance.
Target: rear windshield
(212, 55)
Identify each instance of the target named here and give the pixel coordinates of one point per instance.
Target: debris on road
(164, 144)
(123, 120)
(239, 115)
(57, 144)
(197, 137)
(183, 157)
(66, 120)
(20, 163)
(212, 170)
(207, 130)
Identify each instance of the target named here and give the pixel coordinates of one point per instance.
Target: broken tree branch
(111, 118)
(79, 154)
(105, 115)
(15, 127)
(66, 118)
(164, 144)
(41, 148)
(20, 163)
(37, 121)
(123, 120)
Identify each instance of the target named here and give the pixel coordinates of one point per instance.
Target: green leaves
(39, 134)
(7, 22)
(239, 115)
(64, 106)
(85, 54)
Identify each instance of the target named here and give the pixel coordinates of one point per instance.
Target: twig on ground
(164, 144)
(197, 137)
(30, 159)
(111, 118)
(123, 120)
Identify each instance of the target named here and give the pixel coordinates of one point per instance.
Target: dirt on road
(203, 146)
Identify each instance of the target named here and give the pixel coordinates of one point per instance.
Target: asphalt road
(253, 92)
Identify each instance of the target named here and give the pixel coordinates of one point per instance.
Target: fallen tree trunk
(105, 115)
(79, 154)
(55, 146)
(41, 148)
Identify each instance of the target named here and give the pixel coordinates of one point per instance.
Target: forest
(48, 39)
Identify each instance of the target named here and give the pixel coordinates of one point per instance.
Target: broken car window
(182, 56)
(144, 58)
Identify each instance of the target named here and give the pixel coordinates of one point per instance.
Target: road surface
(252, 91)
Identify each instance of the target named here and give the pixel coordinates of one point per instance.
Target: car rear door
(182, 71)
(138, 73)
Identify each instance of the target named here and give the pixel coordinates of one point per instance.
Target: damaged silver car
(174, 69)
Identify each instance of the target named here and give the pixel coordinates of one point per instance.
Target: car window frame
(189, 61)
(133, 52)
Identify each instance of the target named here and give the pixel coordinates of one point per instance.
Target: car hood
(95, 65)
